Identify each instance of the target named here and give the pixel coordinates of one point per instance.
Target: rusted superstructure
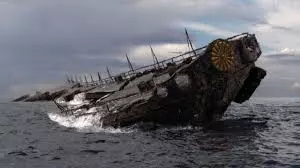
(193, 88)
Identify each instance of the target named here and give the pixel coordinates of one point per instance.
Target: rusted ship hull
(197, 93)
(195, 90)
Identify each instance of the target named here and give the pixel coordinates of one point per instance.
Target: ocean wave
(85, 123)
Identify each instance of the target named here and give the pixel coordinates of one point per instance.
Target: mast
(155, 60)
(86, 81)
(68, 79)
(108, 73)
(129, 64)
(189, 42)
(92, 80)
(76, 80)
(72, 81)
(80, 80)
(99, 77)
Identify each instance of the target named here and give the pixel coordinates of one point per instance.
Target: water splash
(85, 123)
(83, 120)
(79, 99)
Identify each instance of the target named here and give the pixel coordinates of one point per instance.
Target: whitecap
(90, 122)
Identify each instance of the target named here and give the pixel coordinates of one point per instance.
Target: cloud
(281, 28)
(215, 31)
(43, 40)
(18, 90)
(282, 13)
(141, 55)
(296, 85)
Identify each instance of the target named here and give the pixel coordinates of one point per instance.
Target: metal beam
(108, 73)
(72, 81)
(68, 79)
(76, 80)
(129, 64)
(86, 81)
(189, 42)
(99, 77)
(80, 80)
(92, 80)
(155, 60)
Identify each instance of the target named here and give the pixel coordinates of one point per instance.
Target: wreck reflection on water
(260, 133)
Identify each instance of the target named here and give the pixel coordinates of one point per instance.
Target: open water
(264, 132)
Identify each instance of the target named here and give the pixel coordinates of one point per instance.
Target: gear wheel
(222, 55)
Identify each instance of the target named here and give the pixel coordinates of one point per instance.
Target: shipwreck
(194, 88)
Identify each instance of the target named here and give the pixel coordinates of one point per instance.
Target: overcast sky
(41, 41)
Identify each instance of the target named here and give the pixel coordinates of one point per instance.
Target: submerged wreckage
(193, 88)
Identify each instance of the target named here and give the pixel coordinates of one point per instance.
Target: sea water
(263, 132)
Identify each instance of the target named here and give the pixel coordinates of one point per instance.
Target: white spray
(87, 121)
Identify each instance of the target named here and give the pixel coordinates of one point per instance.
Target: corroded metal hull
(195, 90)
(195, 93)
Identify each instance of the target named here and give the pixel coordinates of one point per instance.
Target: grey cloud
(282, 73)
(43, 40)
(276, 88)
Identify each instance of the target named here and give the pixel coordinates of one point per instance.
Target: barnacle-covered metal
(250, 49)
(222, 55)
(195, 88)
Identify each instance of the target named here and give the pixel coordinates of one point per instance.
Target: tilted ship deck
(193, 88)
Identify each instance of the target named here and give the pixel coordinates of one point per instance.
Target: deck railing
(161, 64)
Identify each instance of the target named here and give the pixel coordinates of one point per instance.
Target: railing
(161, 64)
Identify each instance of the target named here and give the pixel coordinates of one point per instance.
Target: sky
(42, 41)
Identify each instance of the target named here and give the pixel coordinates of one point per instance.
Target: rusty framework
(162, 64)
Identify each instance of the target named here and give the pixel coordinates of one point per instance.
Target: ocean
(263, 132)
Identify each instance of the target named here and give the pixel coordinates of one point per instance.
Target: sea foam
(87, 121)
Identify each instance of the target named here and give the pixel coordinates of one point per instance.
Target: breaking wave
(79, 99)
(87, 121)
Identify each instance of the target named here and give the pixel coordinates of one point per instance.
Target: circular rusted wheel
(222, 55)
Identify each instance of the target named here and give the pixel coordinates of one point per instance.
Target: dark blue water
(260, 133)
